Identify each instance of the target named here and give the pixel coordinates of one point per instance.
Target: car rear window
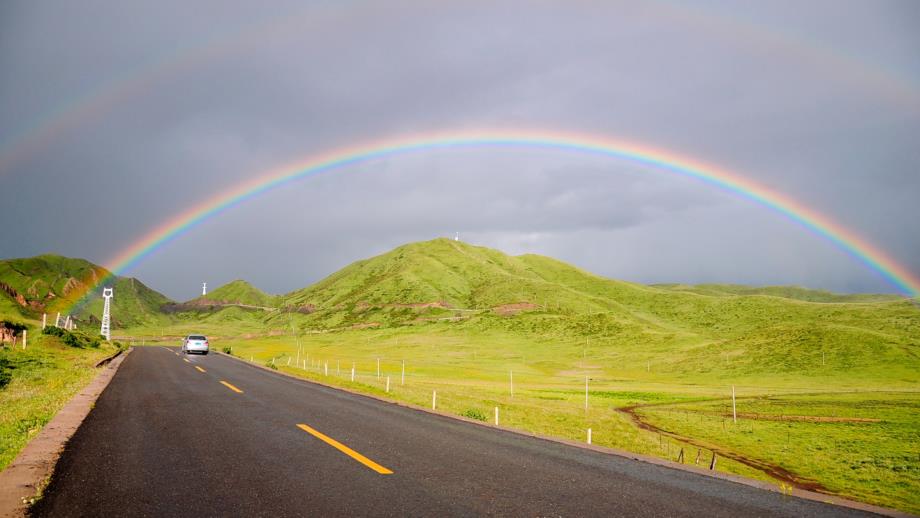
(196, 337)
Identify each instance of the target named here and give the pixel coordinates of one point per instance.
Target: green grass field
(42, 378)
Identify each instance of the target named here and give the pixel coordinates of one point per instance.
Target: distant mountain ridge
(238, 292)
(437, 280)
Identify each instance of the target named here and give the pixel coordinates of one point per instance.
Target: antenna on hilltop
(204, 289)
(457, 237)
(106, 330)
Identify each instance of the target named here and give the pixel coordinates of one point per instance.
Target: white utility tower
(457, 237)
(106, 330)
(204, 289)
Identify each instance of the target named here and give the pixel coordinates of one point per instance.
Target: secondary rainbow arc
(848, 241)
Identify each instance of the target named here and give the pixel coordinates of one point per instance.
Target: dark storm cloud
(822, 108)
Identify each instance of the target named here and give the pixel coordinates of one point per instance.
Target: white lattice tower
(106, 330)
(204, 289)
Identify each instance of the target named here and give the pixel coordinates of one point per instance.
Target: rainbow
(846, 240)
(80, 111)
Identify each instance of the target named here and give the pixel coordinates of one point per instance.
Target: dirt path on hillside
(774, 471)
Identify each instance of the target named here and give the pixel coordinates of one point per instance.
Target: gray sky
(115, 116)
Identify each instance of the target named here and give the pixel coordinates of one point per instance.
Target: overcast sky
(116, 115)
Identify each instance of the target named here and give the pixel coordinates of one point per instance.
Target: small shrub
(73, 338)
(271, 364)
(227, 350)
(474, 413)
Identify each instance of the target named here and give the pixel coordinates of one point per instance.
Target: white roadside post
(388, 384)
(402, 379)
(586, 393)
(511, 375)
(589, 436)
(44, 320)
(734, 412)
(434, 399)
(352, 371)
(25, 337)
(496, 416)
(378, 368)
(326, 369)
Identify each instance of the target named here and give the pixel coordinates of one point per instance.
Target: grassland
(42, 378)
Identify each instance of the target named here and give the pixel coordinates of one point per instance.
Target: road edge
(30, 471)
(738, 479)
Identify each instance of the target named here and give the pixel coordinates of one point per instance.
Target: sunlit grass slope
(52, 283)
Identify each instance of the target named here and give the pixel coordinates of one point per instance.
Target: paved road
(167, 438)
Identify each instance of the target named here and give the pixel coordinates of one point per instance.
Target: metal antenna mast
(106, 330)
(204, 289)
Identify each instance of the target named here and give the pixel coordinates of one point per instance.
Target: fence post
(712, 463)
(44, 320)
(734, 412)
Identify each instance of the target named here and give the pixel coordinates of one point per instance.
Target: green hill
(767, 331)
(52, 283)
(238, 292)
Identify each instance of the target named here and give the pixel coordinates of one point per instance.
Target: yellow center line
(186, 360)
(231, 387)
(346, 450)
(199, 368)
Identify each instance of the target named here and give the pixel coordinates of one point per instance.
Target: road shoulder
(26, 476)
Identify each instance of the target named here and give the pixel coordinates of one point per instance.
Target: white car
(195, 344)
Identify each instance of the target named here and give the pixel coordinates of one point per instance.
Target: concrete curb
(800, 493)
(27, 475)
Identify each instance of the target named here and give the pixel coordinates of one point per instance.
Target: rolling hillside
(767, 331)
(52, 283)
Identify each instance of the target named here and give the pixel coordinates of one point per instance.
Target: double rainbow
(846, 240)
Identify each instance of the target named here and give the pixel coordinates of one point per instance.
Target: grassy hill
(768, 331)
(238, 292)
(51, 283)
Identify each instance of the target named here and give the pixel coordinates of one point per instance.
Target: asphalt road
(168, 438)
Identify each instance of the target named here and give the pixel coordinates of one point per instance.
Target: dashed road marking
(231, 387)
(346, 450)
